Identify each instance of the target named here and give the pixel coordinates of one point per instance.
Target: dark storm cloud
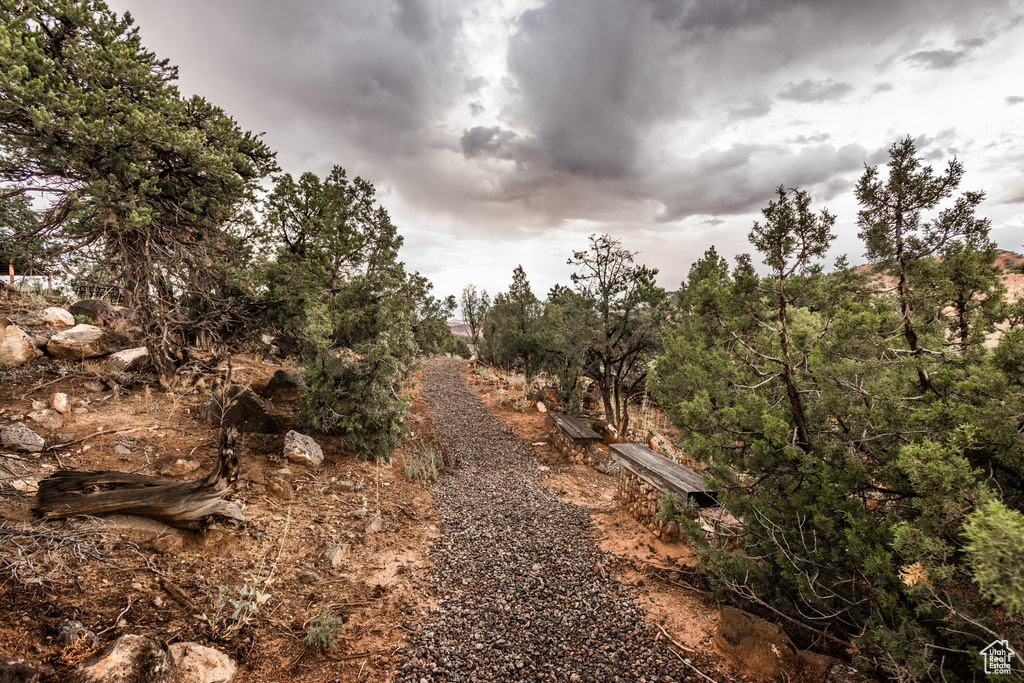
(479, 139)
(370, 76)
(742, 178)
(814, 91)
(591, 87)
(593, 77)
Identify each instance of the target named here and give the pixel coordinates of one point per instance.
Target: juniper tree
(150, 188)
(626, 306)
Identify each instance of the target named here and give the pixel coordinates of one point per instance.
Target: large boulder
(16, 347)
(96, 310)
(759, 646)
(129, 659)
(18, 437)
(244, 410)
(302, 449)
(57, 316)
(285, 385)
(127, 360)
(200, 664)
(85, 341)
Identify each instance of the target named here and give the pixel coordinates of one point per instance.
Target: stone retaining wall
(641, 500)
(576, 451)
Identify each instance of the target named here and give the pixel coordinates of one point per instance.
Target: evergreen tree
(151, 190)
(511, 329)
(868, 505)
(626, 309)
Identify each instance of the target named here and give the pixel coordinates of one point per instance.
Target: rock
(47, 419)
(280, 488)
(16, 347)
(374, 524)
(167, 545)
(176, 467)
(19, 671)
(336, 553)
(96, 385)
(757, 645)
(126, 360)
(200, 664)
(85, 341)
(57, 316)
(310, 577)
(99, 312)
(283, 386)
(30, 320)
(541, 408)
(245, 411)
(19, 437)
(40, 337)
(59, 402)
(299, 448)
(121, 449)
(70, 632)
(129, 659)
(841, 672)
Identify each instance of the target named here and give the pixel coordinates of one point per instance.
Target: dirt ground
(122, 575)
(109, 574)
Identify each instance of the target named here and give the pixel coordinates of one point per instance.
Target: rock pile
(521, 590)
(641, 500)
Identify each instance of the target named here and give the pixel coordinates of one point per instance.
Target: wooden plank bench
(572, 437)
(646, 476)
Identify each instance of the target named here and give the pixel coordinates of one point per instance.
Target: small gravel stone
(515, 580)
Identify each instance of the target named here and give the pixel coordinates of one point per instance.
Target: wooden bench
(573, 438)
(646, 475)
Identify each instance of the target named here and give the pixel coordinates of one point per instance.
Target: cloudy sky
(501, 132)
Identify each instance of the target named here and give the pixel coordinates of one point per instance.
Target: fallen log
(187, 505)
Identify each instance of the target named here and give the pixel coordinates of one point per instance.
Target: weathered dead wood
(187, 505)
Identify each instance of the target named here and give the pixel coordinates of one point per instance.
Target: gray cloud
(607, 111)
(754, 109)
(740, 179)
(937, 59)
(814, 91)
(479, 139)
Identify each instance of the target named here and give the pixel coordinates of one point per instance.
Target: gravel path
(520, 596)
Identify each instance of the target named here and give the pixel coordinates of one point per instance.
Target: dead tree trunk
(187, 505)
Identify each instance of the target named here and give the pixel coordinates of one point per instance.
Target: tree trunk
(187, 505)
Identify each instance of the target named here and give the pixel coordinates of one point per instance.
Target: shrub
(358, 396)
(427, 463)
(322, 629)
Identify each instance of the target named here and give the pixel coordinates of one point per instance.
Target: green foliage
(358, 395)
(426, 463)
(139, 186)
(671, 508)
(511, 330)
(322, 629)
(232, 615)
(626, 311)
(868, 441)
(995, 549)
